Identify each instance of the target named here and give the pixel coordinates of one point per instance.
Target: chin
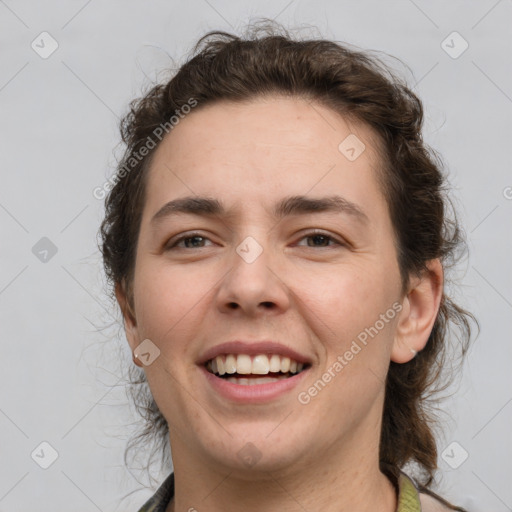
(248, 456)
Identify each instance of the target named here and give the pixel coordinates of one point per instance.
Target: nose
(253, 286)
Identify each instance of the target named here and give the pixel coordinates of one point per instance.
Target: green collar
(408, 497)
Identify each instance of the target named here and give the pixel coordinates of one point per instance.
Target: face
(293, 256)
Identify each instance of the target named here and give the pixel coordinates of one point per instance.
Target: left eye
(319, 240)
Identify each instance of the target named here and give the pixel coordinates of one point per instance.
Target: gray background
(59, 380)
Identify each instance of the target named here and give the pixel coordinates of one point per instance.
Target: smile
(258, 369)
(260, 378)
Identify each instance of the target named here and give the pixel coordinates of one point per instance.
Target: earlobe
(419, 313)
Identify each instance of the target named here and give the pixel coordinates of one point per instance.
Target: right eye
(188, 241)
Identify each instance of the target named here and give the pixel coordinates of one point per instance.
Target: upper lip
(252, 348)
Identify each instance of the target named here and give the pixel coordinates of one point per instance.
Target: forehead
(286, 123)
(262, 148)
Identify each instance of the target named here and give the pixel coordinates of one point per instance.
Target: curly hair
(360, 87)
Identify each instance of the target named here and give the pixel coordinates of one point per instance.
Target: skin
(314, 295)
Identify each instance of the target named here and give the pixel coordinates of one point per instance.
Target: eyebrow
(293, 205)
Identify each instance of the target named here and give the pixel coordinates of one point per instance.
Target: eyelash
(307, 235)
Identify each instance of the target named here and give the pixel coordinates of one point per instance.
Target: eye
(189, 241)
(320, 239)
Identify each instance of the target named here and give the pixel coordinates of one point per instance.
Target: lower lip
(256, 393)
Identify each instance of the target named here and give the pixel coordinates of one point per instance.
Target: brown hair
(268, 61)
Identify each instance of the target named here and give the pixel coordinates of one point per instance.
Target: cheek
(354, 314)
(347, 298)
(168, 301)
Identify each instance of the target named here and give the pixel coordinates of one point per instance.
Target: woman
(276, 235)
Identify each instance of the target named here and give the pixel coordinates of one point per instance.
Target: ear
(130, 323)
(419, 313)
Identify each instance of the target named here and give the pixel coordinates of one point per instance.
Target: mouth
(250, 370)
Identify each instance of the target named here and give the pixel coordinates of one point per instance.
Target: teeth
(243, 364)
(230, 364)
(243, 381)
(220, 365)
(261, 364)
(275, 363)
(285, 364)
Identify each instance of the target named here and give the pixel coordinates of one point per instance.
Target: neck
(329, 485)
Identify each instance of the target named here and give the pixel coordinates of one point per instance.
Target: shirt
(408, 496)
